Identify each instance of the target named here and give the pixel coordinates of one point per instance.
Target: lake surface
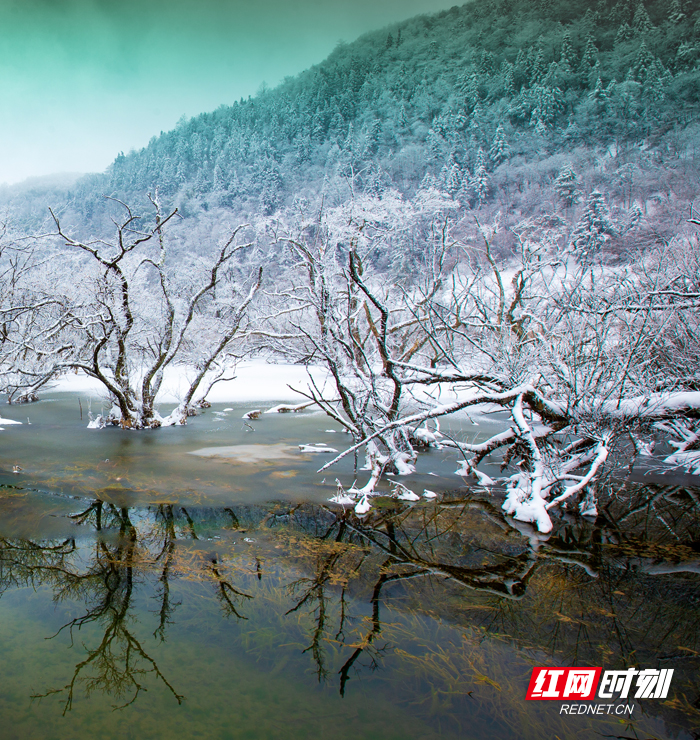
(149, 592)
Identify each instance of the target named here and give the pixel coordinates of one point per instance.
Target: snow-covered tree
(451, 176)
(594, 228)
(500, 149)
(479, 182)
(675, 11)
(567, 59)
(641, 22)
(624, 33)
(590, 55)
(138, 314)
(545, 102)
(567, 186)
(568, 351)
(509, 80)
(31, 315)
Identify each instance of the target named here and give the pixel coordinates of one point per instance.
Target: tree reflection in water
(118, 664)
(621, 591)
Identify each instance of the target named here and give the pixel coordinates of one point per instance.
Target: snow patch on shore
(254, 381)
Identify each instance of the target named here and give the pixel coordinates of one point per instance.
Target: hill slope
(488, 102)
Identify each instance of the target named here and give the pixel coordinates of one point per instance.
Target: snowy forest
(491, 208)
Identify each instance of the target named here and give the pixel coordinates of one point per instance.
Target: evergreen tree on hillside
(654, 84)
(479, 183)
(675, 12)
(547, 103)
(373, 182)
(500, 149)
(599, 98)
(469, 88)
(539, 68)
(435, 144)
(372, 137)
(566, 186)
(594, 227)
(590, 55)
(624, 33)
(642, 63)
(271, 191)
(567, 58)
(641, 21)
(303, 149)
(476, 126)
(220, 182)
(509, 80)
(429, 182)
(403, 120)
(621, 12)
(451, 177)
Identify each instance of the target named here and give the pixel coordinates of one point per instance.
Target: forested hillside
(469, 97)
(514, 105)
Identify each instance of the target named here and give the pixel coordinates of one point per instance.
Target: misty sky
(85, 79)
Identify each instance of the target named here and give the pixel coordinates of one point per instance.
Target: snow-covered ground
(254, 381)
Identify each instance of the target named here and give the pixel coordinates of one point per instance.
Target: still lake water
(147, 592)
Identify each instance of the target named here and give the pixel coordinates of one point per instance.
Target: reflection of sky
(84, 79)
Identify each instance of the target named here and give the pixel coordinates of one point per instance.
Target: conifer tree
(479, 182)
(373, 182)
(220, 181)
(624, 33)
(550, 79)
(168, 177)
(567, 56)
(566, 186)
(594, 227)
(372, 137)
(509, 81)
(634, 216)
(675, 12)
(590, 55)
(641, 21)
(303, 149)
(469, 87)
(451, 176)
(435, 143)
(594, 76)
(538, 70)
(654, 82)
(201, 182)
(642, 63)
(349, 144)
(271, 187)
(403, 118)
(500, 150)
(547, 103)
(429, 182)
(476, 124)
(599, 97)
(621, 12)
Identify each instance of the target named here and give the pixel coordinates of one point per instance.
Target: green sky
(84, 79)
